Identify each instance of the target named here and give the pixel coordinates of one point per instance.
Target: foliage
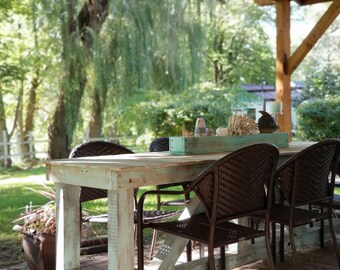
(322, 82)
(318, 120)
(239, 49)
(144, 46)
(161, 114)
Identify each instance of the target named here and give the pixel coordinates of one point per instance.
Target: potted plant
(38, 228)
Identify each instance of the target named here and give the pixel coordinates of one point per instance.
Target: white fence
(38, 148)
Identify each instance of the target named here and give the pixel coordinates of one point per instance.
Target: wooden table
(118, 174)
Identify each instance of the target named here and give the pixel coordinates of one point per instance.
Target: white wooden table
(118, 174)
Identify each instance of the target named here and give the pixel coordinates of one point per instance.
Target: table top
(128, 171)
(126, 162)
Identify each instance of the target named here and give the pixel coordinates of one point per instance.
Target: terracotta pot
(39, 251)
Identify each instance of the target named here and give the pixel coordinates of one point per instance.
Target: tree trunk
(30, 109)
(96, 117)
(92, 15)
(57, 147)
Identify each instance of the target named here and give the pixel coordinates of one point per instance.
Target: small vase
(200, 128)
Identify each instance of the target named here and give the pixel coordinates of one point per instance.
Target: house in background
(266, 96)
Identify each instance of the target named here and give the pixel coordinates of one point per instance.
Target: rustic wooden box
(215, 144)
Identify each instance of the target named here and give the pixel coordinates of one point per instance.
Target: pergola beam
(283, 90)
(300, 2)
(322, 25)
(264, 2)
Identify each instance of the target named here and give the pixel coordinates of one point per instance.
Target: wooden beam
(283, 93)
(311, 2)
(309, 42)
(300, 2)
(264, 2)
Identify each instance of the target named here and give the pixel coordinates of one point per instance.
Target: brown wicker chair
(336, 197)
(102, 148)
(303, 181)
(160, 145)
(232, 187)
(96, 148)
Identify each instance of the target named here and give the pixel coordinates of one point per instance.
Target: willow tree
(77, 28)
(146, 46)
(172, 45)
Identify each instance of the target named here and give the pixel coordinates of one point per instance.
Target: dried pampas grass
(241, 125)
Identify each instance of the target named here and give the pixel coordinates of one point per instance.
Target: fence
(38, 148)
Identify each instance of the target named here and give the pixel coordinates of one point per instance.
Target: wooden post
(6, 145)
(30, 146)
(19, 147)
(283, 90)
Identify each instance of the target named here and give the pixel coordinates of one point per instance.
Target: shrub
(161, 114)
(318, 120)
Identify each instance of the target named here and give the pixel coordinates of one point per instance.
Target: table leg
(68, 222)
(121, 247)
(173, 246)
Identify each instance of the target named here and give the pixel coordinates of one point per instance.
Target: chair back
(309, 176)
(96, 148)
(235, 185)
(159, 145)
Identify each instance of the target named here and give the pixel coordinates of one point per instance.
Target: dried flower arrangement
(241, 125)
(41, 219)
(186, 133)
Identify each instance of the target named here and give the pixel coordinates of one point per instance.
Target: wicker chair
(336, 197)
(303, 181)
(232, 187)
(96, 148)
(102, 148)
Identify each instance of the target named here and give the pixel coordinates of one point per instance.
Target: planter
(40, 251)
(216, 144)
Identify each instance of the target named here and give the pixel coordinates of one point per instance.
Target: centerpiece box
(215, 144)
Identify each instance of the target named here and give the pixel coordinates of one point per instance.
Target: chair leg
(335, 243)
(267, 240)
(140, 251)
(292, 243)
(252, 226)
(274, 242)
(201, 250)
(222, 258)
(322, 233)
(282, 243)
(189, 251)
(153, 243)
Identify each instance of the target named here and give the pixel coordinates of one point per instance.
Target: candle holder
(274, 108)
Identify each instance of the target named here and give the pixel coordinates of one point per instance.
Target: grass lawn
(16, 172)
(13, 199)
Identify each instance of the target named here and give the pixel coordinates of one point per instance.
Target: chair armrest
(140, 205)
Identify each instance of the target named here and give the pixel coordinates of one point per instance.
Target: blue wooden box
(215, 144)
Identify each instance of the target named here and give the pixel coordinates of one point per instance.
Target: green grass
(17, 172)
(13, 199)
